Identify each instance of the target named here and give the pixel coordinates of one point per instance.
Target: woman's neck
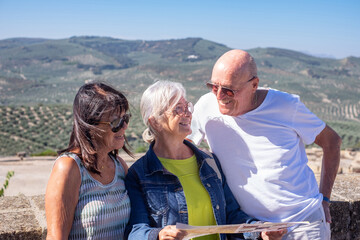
(171, 148)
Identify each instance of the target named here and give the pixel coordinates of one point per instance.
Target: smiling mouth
(223, 102)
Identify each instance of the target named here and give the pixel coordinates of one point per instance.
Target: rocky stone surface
(21, 218)
(345, 207)
(22, 213)
(346, 220)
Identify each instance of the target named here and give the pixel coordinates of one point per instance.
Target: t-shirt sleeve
(201, 112)
(197, 135)
(306, 124)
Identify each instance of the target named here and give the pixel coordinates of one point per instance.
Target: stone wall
(23, 217)
(345, 207)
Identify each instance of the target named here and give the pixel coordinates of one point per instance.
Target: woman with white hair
(175, 181)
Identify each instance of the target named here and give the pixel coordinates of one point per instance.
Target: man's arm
(330, 142)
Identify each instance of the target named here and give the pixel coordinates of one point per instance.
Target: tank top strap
(77, 160)
(120, 171)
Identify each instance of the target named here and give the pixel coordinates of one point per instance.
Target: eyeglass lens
(117, 124)
(181, 109)
(214, 88)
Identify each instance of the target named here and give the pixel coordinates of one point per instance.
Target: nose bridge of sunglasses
(227, 91)
(223, 91)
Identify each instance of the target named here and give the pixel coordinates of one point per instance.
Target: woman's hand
(276, 235)
(170, 232)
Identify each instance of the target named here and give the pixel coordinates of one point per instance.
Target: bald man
(259, 136)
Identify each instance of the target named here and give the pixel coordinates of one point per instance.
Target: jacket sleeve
(234, 214)
(139, 224)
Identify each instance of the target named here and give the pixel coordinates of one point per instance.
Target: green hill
(39, 79)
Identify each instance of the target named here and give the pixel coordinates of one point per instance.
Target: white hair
(156, 99)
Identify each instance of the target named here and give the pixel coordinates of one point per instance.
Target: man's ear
(255, 84)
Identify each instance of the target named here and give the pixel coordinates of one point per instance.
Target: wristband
(326, 199)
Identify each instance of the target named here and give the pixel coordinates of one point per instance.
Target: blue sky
(327, 28)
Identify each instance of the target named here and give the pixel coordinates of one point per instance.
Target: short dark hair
(91, 102)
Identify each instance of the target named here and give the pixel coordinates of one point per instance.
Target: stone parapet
(23, 217)
(22, 211)
(345, 207)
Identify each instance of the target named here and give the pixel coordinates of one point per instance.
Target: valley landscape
(40, 77)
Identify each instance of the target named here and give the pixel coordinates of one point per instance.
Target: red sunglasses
(225, 90)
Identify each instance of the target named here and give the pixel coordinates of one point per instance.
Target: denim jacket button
(217, 206)
(208, 184)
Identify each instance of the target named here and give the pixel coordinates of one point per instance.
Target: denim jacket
(157, 197)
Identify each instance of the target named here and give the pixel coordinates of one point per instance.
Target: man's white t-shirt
(262, 154)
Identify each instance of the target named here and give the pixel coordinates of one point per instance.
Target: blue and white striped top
(102, 211)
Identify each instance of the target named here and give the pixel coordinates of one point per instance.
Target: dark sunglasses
(228, 91)
(118, 123)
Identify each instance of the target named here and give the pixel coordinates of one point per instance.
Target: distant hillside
(34, 129)
(50, 71)
(42, 72)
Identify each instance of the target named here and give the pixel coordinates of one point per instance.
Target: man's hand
(326, 207)
(277, 235)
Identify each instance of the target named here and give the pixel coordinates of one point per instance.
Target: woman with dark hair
(86, 196)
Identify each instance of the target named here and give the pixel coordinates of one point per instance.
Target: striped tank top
(102, 211)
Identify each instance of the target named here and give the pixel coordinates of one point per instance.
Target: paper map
(197, 231)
